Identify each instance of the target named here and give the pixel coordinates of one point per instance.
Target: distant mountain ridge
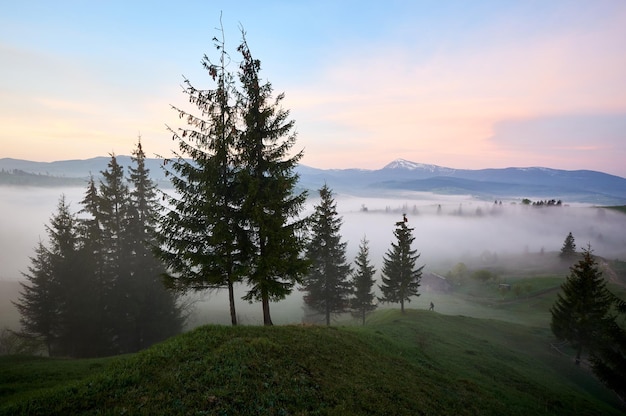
(399, 175)
(412, 166)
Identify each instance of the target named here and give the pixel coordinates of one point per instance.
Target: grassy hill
(418, 363)
(484, 351)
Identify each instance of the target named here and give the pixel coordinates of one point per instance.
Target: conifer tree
(95, 289)
(93, 266)
(568, 251)
(608, 360)
(50, 304)
(581, 312)
(114, 209)
(200, 238)
(73, 301)
(326, 285)
(38, 303)
(270, 207)
(154, 312)
(363, 280)
(400, 276)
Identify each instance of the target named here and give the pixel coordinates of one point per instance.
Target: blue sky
(462, 84)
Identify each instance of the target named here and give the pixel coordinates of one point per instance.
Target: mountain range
(399, 176)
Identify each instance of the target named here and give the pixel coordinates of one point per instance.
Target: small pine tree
(568, 251)
(326, 285)
(401, 278)
(363, 280)
(581, 312)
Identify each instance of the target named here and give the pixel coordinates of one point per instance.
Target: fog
(447, 229)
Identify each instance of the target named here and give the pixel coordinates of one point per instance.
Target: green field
(418, 363)
(483, 351)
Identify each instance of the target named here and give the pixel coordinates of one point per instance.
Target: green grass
(22, 377)
(482, 352)
(418, 363)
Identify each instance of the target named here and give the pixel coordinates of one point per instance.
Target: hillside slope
(421, 363)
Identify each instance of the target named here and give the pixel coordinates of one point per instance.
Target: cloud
(566, 141)
(444, 106)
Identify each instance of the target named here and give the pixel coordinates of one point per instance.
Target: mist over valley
(448, 228)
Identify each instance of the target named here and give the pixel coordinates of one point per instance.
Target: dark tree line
(235, 216)
(543, 203)
(95, 289)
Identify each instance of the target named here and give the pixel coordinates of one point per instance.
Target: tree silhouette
(326, 284)
(275, 235)
(581, 312)
(363, 280)
(400, 276)
(199, 238)
(568, 251)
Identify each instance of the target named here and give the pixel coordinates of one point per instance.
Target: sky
(461, 84)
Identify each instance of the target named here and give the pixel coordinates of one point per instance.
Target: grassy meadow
(482, 351)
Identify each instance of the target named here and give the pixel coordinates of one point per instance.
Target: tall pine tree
(93, 265)
(400, 276)
(200, 238)
(154, 312)
(326, 285)
(363, 280)
(582, 311)
(73, 299)
(270, 208)
(114, 209)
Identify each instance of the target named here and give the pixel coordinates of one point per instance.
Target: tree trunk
(231, 300)
(267, 319)
(363, 315)
(327, 313)
(402, 306)
(578, 352)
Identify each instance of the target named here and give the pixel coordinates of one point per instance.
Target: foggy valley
(448, 229)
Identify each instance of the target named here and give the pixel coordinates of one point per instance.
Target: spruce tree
(270, 207)
(38, 302)
(200, 238)
(154, 311)
(581, 312)
(51, 305)
(326, 285)
(608, 360)
(93, 266)
(114, 212)
(64, 246)
(363, 280)
(568, 251)
(400, 276)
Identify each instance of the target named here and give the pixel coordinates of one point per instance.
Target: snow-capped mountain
(408, 165)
